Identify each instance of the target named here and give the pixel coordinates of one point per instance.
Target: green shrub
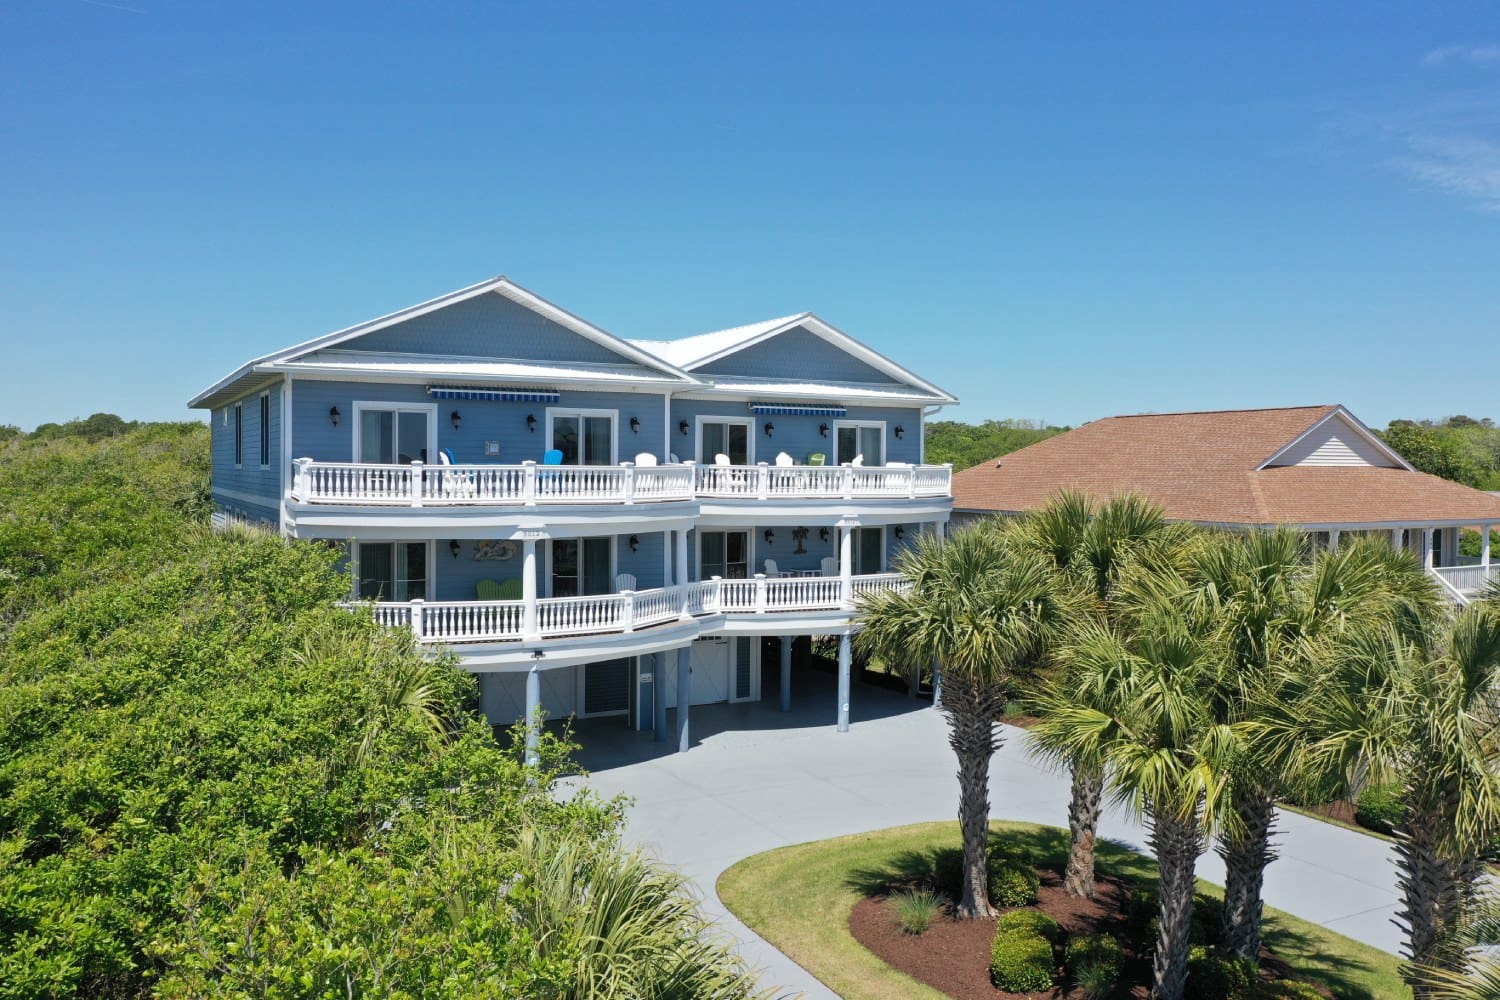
(1013, 883)
(1380, 808)
(1215, 976)
(1283, 989)
(1021, 962)
(915, 909)
(1093, 960)
(1028, 922)
(1143, 907)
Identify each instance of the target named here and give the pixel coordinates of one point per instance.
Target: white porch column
(666, 660)
(529, 628)
(680, 575)
(1397, 537)
(533, 714)
(684, 695)
(1333, 539)
(786, 673)
(1427, 547)
(846, 565)
(844, 665)
(1484, 543)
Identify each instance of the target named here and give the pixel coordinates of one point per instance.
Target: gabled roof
(258, 370)
(693, 353)
(1217, 468)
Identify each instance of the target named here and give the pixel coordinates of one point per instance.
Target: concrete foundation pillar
(684, 695)
(533, 715)
(845, 660)
(786, 673)
(667, 660)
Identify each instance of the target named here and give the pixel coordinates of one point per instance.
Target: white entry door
(710, 679)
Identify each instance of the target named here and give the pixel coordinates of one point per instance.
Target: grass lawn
(799, 898)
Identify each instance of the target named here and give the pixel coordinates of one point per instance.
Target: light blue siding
(314, 436)
(456, 578)
(797, 436)
(797, 353)
(486, 326)
(231, 484)
(783, 547)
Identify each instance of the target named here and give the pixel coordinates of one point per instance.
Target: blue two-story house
(596, 526)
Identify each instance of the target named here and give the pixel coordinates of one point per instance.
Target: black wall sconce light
(770, 536)
(456, 419)
(682, 425)
(900, 532)
(454, 547)
(823, 534)
(770, 428)
(333, 415)
(900, 431)
(531, 422)
(635, 541)
(822, 430)
(635, 425)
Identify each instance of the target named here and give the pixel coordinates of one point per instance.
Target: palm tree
(986, 607)
(1417, 705)
(1090, 549)
(1164, 755)
(1479, 978)
(1270, 602)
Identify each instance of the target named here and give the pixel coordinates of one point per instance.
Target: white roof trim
(501, 285)
(1355, 424)
(837, 338)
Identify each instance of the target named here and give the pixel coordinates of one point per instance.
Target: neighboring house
(589, 522)
(1316, 468)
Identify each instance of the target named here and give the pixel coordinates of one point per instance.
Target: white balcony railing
(418, 485)
(529, 484)
(608, 614)
(1467, 581)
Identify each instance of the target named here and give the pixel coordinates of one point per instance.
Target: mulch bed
(953, 956)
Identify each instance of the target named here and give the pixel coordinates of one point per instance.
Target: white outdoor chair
(455, 484)
(672, 457)
(859, 460)
(783, 460)
(624, 582)
(722, 459)
(645, 460)
(771, 571)
(830, 566)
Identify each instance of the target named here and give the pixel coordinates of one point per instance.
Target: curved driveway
(757, 779)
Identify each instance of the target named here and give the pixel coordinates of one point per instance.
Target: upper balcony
(532, 485)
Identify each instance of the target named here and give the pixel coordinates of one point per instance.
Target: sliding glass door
(863, 441)
(392, 571)
(392, 435)
(724, 554)
(584, 437)
(724, 437)
(582, 567)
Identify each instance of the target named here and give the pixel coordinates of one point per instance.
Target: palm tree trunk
(971, 708)
(1246, 855)
(1425, 879)
(1177, 842)
(1083, 826)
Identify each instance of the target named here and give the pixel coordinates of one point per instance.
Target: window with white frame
(724, 436)
(265, 430)
(585, 437)
(239, 434)
(865, 441)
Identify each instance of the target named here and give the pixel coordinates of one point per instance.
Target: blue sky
(1055, 212)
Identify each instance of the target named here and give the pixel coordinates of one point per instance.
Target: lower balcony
(1466, 583)
(457, 622)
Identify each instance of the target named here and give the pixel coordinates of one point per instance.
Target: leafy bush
(915, 909)
(1021, 962)
(1028, 922)
(1142, 913)
(1215, 976)
(1380, 808)
(1094, 960)
(1014, 884)
(1013, 880)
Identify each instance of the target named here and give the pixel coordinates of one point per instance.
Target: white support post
(1397, 537)
(760, 593)
(1333, 540)
(416, 482)
(529, 628)
(786, 673)
(533, 715)
(684, 695)
(845, 660)
(301, 481)
(846, 566)
(627, 613)
(666, 660)
(629, 468)
(680, 576)
(1484, 544)
(528, 483)
(848, 477)
(1427, 547)
(416, 618)
(762, 480)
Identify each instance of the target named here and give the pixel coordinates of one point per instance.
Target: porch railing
(528, 484)
(605, 614)
(1467, 580)
(764, 482)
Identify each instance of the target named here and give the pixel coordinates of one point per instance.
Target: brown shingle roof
(1202, 467)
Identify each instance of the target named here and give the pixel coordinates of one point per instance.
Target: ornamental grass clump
(916, 909)
(1094, 960)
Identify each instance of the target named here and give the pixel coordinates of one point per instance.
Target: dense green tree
(1461, 449)
(967, 445)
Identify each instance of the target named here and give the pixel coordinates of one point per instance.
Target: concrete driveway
(757, 779)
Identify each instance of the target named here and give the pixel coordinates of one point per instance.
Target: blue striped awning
(781, 410)
(480, 392)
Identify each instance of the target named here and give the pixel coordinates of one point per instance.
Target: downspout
(286, 444)
(666, 426)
